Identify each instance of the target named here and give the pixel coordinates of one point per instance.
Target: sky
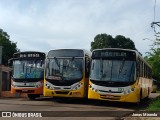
(43, 25)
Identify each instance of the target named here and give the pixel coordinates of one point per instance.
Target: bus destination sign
(29, 55)
(24, 55)
(113, 54)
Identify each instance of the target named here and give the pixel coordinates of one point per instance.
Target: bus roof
(116, 49)
(83, 50)
(138, 55)
(29, 52)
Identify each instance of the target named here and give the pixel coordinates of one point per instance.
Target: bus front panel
(76, 89)
(27, 87)
(121, 94)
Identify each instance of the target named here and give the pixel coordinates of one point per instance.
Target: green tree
(153, 57)
(156, 43)
(154, 60)
(122, 42)
(102, 41)
(107, 41)
(9, 47)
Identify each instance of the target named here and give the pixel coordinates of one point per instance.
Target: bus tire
(148, 93)
(141, 95)
(32, 96)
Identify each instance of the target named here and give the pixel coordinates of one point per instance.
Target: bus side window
(138, 68)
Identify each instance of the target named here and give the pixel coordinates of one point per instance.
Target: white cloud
(44, 25)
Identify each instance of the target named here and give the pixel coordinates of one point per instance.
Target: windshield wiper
(56, 61)
(59, 74)
(101, 70)
(103, 75)
(132, 71)
(111, 72)
(122, 65)
(72, 58)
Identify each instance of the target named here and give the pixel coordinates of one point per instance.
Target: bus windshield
(64, 68)
(26, 69)
(112, 70)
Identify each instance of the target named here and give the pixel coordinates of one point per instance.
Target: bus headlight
(128, 91)
(93, 89)
(38, 84)
(132, 89)
(47, 85)
(76, 87)
(13, 84)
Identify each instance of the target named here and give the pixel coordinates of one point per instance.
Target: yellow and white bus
(119, 75)
(67, 73)
(28, 73)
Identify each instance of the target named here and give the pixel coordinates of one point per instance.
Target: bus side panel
(146, 87)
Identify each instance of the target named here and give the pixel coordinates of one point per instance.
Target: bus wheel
(148, 93)
(32, 96)
(141, 95)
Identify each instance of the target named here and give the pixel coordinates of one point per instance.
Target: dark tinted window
(155, 82)
(66, 53)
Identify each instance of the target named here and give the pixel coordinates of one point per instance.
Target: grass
(154, 105)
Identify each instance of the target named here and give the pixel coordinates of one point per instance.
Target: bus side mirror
(42, 63)
(10, 62)
(88, 68)
(88, 64)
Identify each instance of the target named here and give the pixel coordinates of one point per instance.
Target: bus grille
(62, 92)
(110, 97)
(110, 91)
(25, 91)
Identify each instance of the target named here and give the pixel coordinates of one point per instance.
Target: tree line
(8, 47)
(153, 57)
(100, 41)
(107, 41)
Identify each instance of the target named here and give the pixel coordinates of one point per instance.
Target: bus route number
(120, 89)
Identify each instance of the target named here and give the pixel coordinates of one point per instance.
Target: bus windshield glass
(27, 69)
(113, 70)
(64, 68)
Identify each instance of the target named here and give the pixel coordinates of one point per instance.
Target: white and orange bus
(119, 75)
(28, 73)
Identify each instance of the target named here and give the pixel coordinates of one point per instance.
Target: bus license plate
(24, 91)
(109, 96)
(76, 94)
